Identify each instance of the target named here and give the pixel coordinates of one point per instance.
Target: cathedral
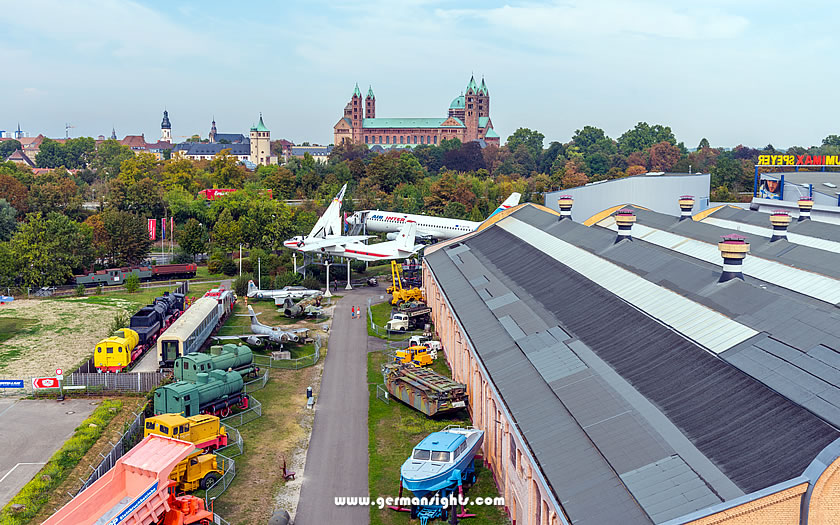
(468, 119)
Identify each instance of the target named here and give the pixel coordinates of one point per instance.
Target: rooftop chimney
(805, 205)
(733, 248)
(780, 220)
(624, 219)
(686, 205)
(565, 203)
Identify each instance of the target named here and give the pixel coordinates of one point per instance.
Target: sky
(748, 72)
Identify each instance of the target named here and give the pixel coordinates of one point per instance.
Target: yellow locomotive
(114, 353)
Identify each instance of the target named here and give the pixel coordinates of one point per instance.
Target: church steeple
(113, 133)
(370, 104)
(213, 130)
(165, 128)
(472, 87)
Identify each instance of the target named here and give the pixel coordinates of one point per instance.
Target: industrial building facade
(623, 382)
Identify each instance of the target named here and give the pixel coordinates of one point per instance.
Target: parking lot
(31, 431)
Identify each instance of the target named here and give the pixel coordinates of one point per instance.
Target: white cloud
(123, 29)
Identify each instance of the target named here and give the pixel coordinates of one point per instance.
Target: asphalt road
(31, 431)
(337, 459)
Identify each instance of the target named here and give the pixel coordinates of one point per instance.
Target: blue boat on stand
(438, 467)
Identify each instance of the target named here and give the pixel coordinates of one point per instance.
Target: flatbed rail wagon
(424, 389)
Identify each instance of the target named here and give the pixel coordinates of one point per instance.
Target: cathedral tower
(483, 100)
(471, 110)
(212, 135)
(370, 104)
(166, 128)
(357, 115)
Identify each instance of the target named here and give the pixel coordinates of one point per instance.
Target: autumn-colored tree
(100, 235)
(573, 175)
(664, 156)
(137, 167)
(225, 171)
(635, 170)
(15, 192)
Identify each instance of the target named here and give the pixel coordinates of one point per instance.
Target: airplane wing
(332, 243)
(234, 337)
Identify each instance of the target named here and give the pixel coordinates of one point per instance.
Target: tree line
(47, 235)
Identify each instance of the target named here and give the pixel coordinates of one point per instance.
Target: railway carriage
(189, 333)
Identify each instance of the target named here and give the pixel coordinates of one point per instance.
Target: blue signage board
(11, 383)
(134, 505)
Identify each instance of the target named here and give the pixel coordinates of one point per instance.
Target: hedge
(37, 492)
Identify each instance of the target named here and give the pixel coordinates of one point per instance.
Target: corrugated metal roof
(703, 325)
(802, 281)
(767, 231)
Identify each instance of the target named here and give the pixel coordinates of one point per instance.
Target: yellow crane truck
(400, 295)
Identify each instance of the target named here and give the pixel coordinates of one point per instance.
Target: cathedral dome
(457, 102)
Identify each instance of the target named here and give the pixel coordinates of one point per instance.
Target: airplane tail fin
(252, 314)
(252, 288)
(510, 202)
(330, 222)
(405, 237)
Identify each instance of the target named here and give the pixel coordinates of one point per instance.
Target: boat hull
(421, 485)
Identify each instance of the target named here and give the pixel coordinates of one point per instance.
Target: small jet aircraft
(291, 292)
(263, 333)
(428, 228)
(327, 231)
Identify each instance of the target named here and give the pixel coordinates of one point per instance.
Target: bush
(80, 290)
(240, 284)
(229, 267)
(99, 289)
(182, 257)
(35, 493)
(287, 279)
(311, 283)
(119, 322)
(214, 266)
(247, 267)
(132, 283)
(357, 266)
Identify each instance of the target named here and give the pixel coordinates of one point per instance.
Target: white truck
(421, 340)
(410, 319)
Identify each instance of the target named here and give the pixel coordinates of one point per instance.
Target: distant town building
(19, 157)
(260, 138)
(19, 134)
(319, 153)
(208, 150)
(226, 138)
(468, 119)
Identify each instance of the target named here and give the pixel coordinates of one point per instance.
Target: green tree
(47, 250)
(225, 171)
(127, 237)
(532, 139)
(108, 158)
(192, 237)
(132, 283)
(704, 144)
(455, 210)
(7, 147)
(8, 224)
(643, 136)
(726, 172)
(227, 232)
(831, 140)
(50, 155)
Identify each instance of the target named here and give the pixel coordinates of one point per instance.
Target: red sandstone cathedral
(469, 119)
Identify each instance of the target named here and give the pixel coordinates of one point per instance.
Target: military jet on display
(266, 334)
(290, 292)
(327, 232)
(290, 309)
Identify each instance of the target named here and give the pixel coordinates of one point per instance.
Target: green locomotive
(216, 393)
(238, 358)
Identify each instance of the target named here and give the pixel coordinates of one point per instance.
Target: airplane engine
(255, 341)
(392, 236)
(294, 338)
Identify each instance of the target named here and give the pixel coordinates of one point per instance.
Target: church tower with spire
(113, 134)
(483, 100)
(357, 115)
(260, 139)
(166, 128)
(471, 110)
(212, 135)
(370, 104)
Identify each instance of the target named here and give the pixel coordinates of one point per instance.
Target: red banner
(172, 227)
(152, 229)
(163, 229)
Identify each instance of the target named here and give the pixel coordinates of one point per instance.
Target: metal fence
(246, 416)
(382, 333)
(228, 466)
(236, 445)
(129, 382)
(382, 394)
(130, 438)
(256, 384)
(291, 364)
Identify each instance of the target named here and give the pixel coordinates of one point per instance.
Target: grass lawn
(11, 326)
(394, 429)
(381, 314)
(268, 440)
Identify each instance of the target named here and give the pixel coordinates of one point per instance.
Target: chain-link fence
(228, 466)
(256, 384)
(270, 361)
(129, 382)
(246, 416)
(236, 445)
(131, 437)
(382, 394)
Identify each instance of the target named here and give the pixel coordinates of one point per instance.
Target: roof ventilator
(733, 248)
(624, 219)
(780, 220)
(686, 205)
(805, 205)
(565, 203)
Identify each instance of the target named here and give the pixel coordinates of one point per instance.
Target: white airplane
(327, 232)
(262, 333)
(292, 292)
(439, 228)
(400, 248)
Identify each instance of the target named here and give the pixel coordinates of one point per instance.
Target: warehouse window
(512, 451)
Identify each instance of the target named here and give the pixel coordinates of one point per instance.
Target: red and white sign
(59, 372)
(44, 382)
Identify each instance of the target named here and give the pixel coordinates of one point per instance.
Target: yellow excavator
(399, 294)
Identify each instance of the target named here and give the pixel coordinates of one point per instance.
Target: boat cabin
(440, 447)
